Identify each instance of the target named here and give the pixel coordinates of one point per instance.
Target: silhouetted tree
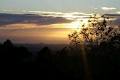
(8, 44)
(97, 30)
(10, 54)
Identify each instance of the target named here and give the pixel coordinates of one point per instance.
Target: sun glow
(74, 25)
(77, 24)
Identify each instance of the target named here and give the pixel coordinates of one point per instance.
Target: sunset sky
(48, 21)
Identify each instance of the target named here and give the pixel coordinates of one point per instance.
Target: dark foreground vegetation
(97, 58)
(103, 62)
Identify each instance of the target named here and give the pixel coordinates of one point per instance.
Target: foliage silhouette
(97, 30)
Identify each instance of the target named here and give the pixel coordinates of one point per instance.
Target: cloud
(115, 18)
(118, 12)
(6, 19)
(108, 8)
(70, 15)
(117, 21)
(46, 13)
(40, 17)
(113, 15)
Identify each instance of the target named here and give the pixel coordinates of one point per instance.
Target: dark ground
(62, 63)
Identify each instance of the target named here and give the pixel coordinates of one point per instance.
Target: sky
(51, 20)
(87, 6)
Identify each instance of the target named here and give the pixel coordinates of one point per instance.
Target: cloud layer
(6, 19)
(108, 8)
(118, 12)
(46, 18)
(40, 17)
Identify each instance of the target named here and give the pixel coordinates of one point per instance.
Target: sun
(75, 24)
